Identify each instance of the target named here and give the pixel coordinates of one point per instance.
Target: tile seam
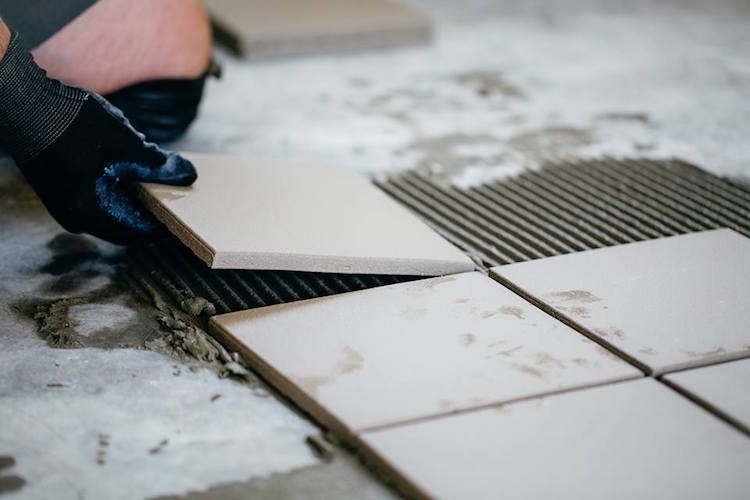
(704, 404)
(569, 322)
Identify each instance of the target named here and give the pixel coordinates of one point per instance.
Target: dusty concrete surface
(87, 411)
(505, 85)
(343, 477)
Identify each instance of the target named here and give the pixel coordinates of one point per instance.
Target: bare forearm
(117, 43)
(4, 38)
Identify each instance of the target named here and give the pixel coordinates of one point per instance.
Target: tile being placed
(724, 388)
(670, 303)
(635, 439)
(376, 357)
(277, 28)
(281, 215)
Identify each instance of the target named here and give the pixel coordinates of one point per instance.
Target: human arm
(77, 151)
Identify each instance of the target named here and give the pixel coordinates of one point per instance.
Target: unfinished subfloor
(140, 411)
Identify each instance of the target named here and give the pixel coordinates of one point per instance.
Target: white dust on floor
(498, 93)
(88, 423)
(120, 423)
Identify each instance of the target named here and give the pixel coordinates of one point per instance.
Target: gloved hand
(79, 153)
(161, 109)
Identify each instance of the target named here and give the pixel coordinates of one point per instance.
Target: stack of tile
(261, 29)
(530, 384)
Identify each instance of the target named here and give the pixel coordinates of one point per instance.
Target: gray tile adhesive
(561, 208)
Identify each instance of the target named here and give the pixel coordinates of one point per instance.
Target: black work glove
(161, 109)
(79, 153)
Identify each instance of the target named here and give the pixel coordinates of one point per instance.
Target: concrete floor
(505, 85)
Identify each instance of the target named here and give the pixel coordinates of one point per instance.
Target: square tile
(628, 440)
(281, 28)
(392, 354)
(297, 216)
(724, 387)
(669, 303)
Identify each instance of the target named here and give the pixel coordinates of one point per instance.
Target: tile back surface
(636, 439)
(376, 357)
(274, 28)
(280, 215)
(725, 387)
(669, 303)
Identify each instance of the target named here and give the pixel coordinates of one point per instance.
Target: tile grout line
(487, 406)
(704, 404)
(572, 324)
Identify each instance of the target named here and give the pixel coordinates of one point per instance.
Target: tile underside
(635, 439)
(296, 216)
(669, 303)
(413, 350)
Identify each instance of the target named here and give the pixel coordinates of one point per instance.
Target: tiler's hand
(79, 153)
(85, 177)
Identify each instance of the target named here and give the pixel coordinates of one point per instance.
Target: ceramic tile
(669, 303)
(298, 27)
(282, 215)
(400, 352)
(629, 440)
(724, 387)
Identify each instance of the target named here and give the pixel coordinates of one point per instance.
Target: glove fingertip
(177, 171)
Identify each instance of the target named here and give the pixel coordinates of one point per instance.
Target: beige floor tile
(411, 350)
(629, 440)
(281, 215)
(669, 303)
(276, 28)
(724, 387)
